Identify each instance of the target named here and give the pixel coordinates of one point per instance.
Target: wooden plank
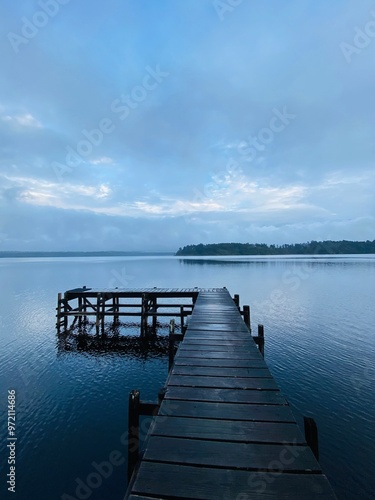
(228, 317)
(219, 371)
(186, 482)
(187, 353)
(214, 318)
(196, 335)
(238, 343)
(233, 363)
(219, 327)
(222, 382)
(228, 430)
(245, 456)
(249, 396)
(227, 411)
(142, 497)
(229, 349)
(136, 497)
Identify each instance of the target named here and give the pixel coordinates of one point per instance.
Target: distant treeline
(310, 248)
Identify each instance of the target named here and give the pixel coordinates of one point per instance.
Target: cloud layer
(154, 125)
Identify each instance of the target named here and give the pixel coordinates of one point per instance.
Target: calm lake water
(319, 319)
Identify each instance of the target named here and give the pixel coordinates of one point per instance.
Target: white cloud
(103, 160)
(24, 120)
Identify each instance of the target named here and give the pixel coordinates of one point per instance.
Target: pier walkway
(223, 429)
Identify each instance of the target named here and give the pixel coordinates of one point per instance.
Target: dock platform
(223, 429)
(101, 305)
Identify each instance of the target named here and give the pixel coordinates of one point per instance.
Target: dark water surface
(319, 319)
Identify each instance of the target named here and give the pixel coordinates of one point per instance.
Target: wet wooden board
(248, 354)
(207, 483)
(256, 362)
(222, 382)
(228, 430)
(197, 335)
(223, 427)
(229, 455)
(219, 371)
(227, 411)
(208, 350)
(219, 327)
(249, 396)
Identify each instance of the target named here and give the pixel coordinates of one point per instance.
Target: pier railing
(79, 306)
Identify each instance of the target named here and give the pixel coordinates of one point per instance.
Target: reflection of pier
(122, 345)
(78, 306)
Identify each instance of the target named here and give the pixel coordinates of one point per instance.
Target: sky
(152, 124)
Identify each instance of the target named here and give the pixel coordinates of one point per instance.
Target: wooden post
(80, 312)
(84, 307)
(161, 395)
(171, 344)
(311, 435)
(65, 312)
(261, 339)
(98, 313)
(182, 318)
(246, 316)
(154, 317)
(103, 312)
(58, 315)
(114, 309)
(133, 431)
(236, 299)
(144, 315)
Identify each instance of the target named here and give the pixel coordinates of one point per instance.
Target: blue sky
(148, 125)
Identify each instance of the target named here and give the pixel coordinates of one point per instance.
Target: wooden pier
(81, 305)
(223, 430)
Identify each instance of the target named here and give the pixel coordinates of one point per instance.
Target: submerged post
(133, 431)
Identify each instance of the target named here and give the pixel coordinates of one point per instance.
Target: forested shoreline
(309, 248)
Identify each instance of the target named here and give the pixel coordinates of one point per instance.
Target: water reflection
(114, 340)
(322, 261)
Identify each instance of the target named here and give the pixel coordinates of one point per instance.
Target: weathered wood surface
(169, 481)
(224, 430)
